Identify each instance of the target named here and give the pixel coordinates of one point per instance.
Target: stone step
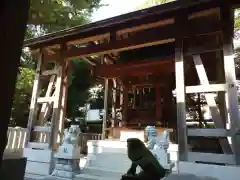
(101, 172)
(29, 176)
(92, 177)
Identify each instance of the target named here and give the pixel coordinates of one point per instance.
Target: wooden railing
(17, 137)
(16, 140)
(84, 137)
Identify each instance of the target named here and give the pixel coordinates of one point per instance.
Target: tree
(48, 16)
(22, 97)
(52, 15)
(78, 94)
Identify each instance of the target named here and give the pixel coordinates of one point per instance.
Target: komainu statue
(71, 135)
(141, 156)
(155, 141)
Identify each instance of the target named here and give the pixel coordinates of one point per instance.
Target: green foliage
(237, 20)
(79, 85)
(22, 97)
(48, 16)
(53, 15)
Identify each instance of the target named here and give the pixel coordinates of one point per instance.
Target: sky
(115, 8)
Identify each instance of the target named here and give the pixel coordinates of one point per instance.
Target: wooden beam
(135, 68)
(45, 99)
(206, 88)
(89, 61)
(209, 132)
(211, 101)
(211, 158)
(227, 15)
(146, 26)
(146, 38)
(49, 72)
(46, 129)
(211, 47)
(131, 20)
(88, 39)
(160, 80)
(46, 106)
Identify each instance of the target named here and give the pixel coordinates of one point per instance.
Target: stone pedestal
(67, 162)
(39, 161)
(68, 156)
(161, 153)
(205, 170)
(159, 145)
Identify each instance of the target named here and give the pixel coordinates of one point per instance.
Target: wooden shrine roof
(150, 27)
(129, 20)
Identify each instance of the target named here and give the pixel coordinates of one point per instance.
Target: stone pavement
(170, 177)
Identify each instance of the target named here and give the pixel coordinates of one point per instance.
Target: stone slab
(216, 171)
(39, 161)
(124, 135)
(187, 177)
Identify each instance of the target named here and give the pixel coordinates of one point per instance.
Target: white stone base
(68, 151)
(187, 177)
(38, 161)
(163, 157)
(215, 171)
(124, 135)
(66, 168)
(67, 162)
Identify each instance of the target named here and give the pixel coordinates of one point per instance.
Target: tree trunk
(12, 35)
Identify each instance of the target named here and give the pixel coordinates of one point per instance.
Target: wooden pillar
(57, 101)
(221, 95)
(125, 104)
(121, 101)
(134, 97)
(104, 123)
(227, 17)
(35, 91)
(45, 109)
(64, 92)
(158, 103)
(114, 100)
(168, 115)
(140, 91)
(180, 92)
